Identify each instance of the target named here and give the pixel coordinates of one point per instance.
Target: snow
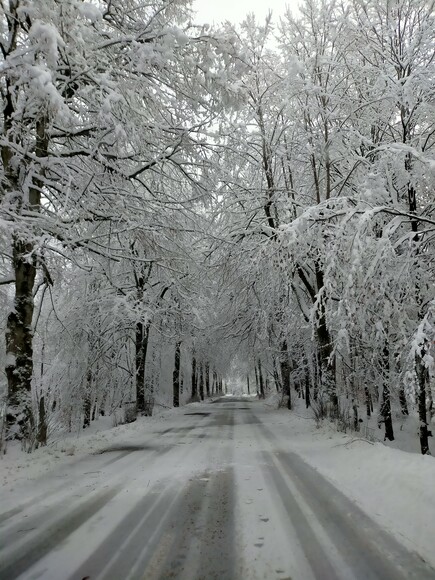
(68, 448)
(90, 12)
(395, 488)
(180, 448)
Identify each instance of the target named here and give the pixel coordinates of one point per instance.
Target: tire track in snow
(155, 539)
(312, 548)
(368, 551)
(197, 541)
(17, 560)
(35, 535)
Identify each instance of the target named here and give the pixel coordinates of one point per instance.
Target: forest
(183, 203)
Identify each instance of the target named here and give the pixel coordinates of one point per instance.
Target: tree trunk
(355, 415)
(87, 400)
(285, 374)
(176, 376)
(402, 394)
(201, 382)
(260, 380)
(19, 342)
(41, 438)
(327, 361)
(207, 379)
(307, 391)
(386, 394)
(247, 382)
(316, 374)
(141, 346)
(19, 334)
(194, 383)
(368, 400)
(423, 382)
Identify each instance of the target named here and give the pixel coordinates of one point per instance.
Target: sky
(236, 10)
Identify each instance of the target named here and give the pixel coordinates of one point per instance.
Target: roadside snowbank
(67, 449)
(395, 488)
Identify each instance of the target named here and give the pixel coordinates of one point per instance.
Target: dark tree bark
(368, 400)
(387, 418)
(201, 382)
(141, 345)
(423, 383)
(247, 382)
(19, 342)
(87, 404)
(176, 375)
(285, 373)
(207, 379)
(326, 359)
(41, 438)
(194, 383)
(402, 395)
(260, 380)
(213, 383)
(355, 415)
(19, 334)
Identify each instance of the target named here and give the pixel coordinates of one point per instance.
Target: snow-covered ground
(230, 471)
(396, 488)
(68, 448)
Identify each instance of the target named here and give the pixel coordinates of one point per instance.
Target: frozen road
(213, 493)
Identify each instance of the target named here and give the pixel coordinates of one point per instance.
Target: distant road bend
(211, 494)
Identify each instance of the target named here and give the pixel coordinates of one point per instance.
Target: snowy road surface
(213, 494)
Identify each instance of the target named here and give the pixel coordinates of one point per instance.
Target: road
(211, 493)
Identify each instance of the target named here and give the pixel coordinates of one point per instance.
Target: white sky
(235, 10)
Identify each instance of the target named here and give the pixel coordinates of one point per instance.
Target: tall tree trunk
(19, 334)
(285, 373)
(316, 374)
(87, 404)
(402, 394)
(213, 383)
(201, 382)
(140, 368)
(207, 379)
(423, 383)
(307, 390)
(176, 375)
(327, 358)
(386, 395)
(260, 380)
(19, 342)
(41, 438)
(368, 400)
(247, 382)
(194, 383)
(141, 346)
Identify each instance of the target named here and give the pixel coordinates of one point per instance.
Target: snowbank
(395, 488)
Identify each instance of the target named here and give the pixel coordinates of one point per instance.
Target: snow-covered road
(213, 492)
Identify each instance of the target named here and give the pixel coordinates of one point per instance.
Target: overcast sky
(236, 10)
